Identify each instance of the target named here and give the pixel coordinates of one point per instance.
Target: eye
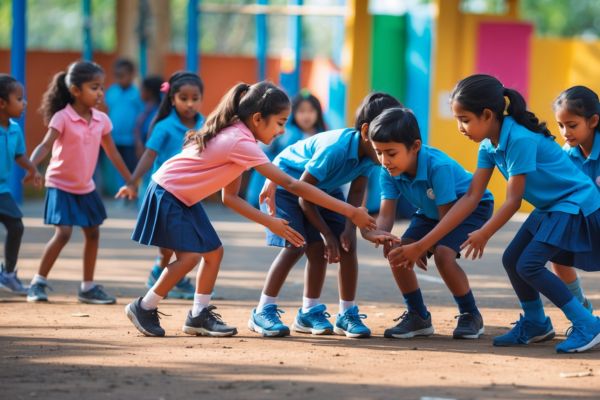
(572, 126)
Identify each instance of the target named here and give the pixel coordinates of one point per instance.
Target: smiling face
(396, 158)
(265, 129)
(91, 93)
(475, 127)
(187, 101)
(15, 104)
(575, 129)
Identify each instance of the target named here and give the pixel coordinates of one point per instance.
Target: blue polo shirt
(554, 183)
(12, 145)
(167, 137)
(331, 157)
(591, 165)
(124, 106)
(439, 180)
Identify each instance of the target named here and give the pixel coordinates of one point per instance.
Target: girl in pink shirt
(212, 159)
(76, 130)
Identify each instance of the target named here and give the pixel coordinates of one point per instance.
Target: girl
(432, 182)
(564, 228)
(327, 161)
(577, 111)
(12, 148)
(178, 113)
(307, 120)
(76, 130)
(214, 158)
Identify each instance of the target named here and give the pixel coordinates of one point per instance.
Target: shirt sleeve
(323, 162)
(57, 122)
(156, 138)
(484, 158)
(107, 125)
(521, 156)
(20, 148)
(389, 189)
(443, 185)
(247, 153)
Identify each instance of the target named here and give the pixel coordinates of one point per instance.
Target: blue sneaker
(184, 289)
(350, 324)
(37, 292)
(580, 338)
(268, 322)
(314, 321)
(11, 282)
(526, 332)
(588, 305)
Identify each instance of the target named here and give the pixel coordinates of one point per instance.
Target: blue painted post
(144, 18)
(261, 42)
(88, 52)
(17, 69)
(290, 74)
(192, 36)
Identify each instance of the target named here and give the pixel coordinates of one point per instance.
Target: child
(307, 120)
(178, 114)
(327, 161)
(12, 148)
(214, 158)
(76, 130)
(577, 111)
(151, 96)
(564, 228)
(432, 182)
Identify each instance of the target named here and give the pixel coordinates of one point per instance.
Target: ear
(3, 103)
(256, 118)
(75, 91)
(416, 146)
(487, 114)
(364, 132)
(593, 121)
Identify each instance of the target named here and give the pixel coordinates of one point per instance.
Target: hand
(407, 255)
(267, 195)
(332, 249)
(282, 228)
(379, 237)
(348, 238)
(361, 218)
(128, 191)
(34, 177)
(475, 244)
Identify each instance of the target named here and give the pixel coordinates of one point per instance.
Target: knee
(92, 234)
(299, 251)
(17, 228)
(214, 257)
(63, 235)
(526, 268)
(509, 261)
(444, 257)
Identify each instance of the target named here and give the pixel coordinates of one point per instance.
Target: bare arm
(113, 155)
(143, 165)
(33, 175)
(45, 147)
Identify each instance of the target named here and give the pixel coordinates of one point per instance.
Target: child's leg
(455, 279)
(569, 276)
(90, 253)
(407, 282)
(278, 272)
(348, 277)
(164, 257)
(184, 263)
(12, 244)
(314, 274)
(62, 235)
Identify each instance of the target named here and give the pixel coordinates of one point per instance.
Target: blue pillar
(88, 54)
(17, 69)
(192, 36)
(261, 42)
(144, 18)
(290, 79)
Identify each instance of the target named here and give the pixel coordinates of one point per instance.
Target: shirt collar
(422, 160)
(507, 125)
(174, 117)
(76, 117)
(12, 127)
(354, 143)
(244, 129)
(594, 155)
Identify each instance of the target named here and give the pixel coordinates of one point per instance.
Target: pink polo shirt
(75, 151)
(192, 175)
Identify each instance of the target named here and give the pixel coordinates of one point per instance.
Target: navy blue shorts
(420, 226)
(64, 208)
(9, 207)
(289, 209)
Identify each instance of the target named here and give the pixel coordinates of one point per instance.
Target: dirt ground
(66, 350)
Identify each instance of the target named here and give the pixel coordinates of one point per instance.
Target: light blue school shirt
(331, 157)
(439, 180)
(167, 137)
(591, 165)
(124, 106)
(553, 183)
(12, 145)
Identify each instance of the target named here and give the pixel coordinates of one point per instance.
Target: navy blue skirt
(165, 221)
(576, 235)
(8, 206)
(64, 208)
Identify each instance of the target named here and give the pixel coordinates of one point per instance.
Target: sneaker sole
(341, 332)
(595, 341)
(131, 315)
(190, 330)
(409, 335)
(537, 339)
(312, 331)
(9, 290)
(255, 328)
(470, 336)
(36, 300)
(92, 301)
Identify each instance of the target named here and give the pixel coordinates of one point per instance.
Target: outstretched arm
(45, 147)
(33, 175)
(113, 155)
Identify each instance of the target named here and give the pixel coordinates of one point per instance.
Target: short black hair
(397, 125)
(124, 63)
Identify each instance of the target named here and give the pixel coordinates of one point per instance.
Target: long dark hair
(373, 105)
(239, 104)
(478, 92)
(303, 96)
(175, 82)
(7, 85)
(579, 100)
(57, 96)
(397, 125)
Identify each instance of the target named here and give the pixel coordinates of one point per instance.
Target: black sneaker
(96, 295)
(207, 323)
(411, 324)
(469, 326)
(146, 321)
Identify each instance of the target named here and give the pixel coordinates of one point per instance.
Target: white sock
(264, 300)
(87, 285)
(346, 305)
(37, 278)
(201, 301)
(150, 300)
(308, 303)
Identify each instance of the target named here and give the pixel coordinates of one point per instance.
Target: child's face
(91, 92)
(267, 129)
(123, 77)
(306, 116)
(575, 129)
(14, 106)
(187, 101)
(475, 127)
(396, 157)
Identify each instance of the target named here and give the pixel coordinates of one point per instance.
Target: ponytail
(517, 108)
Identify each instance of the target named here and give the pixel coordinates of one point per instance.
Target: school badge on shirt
(430, 194)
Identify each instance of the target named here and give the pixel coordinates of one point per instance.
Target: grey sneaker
(146, 321)
(469, 326)
(37, 292)
(411, 324)
(207, 323)
(96, 295)
(12, 283)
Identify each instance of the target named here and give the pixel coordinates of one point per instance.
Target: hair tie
(305, 93)
(164, 88)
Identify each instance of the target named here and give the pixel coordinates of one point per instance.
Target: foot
(146, 321)
(11, 282)
(37, 293)
(268, 322)
(588, 305)
(468, 326)
(411, 324)
(184, 289)
(581, 338)
(313, 321)
(96, 295)
(207, 323)
(350, 324)
(525, 332)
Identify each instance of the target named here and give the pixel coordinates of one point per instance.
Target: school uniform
(439, 180)
(590, 165)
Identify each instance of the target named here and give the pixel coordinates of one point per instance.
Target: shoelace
(404, 314)
(213, 315)
(355, 319)
(321, 316)
(44, 285)
(274, 316)
(156, 314)
(464, 321)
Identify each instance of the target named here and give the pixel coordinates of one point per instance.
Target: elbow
(292, 185)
